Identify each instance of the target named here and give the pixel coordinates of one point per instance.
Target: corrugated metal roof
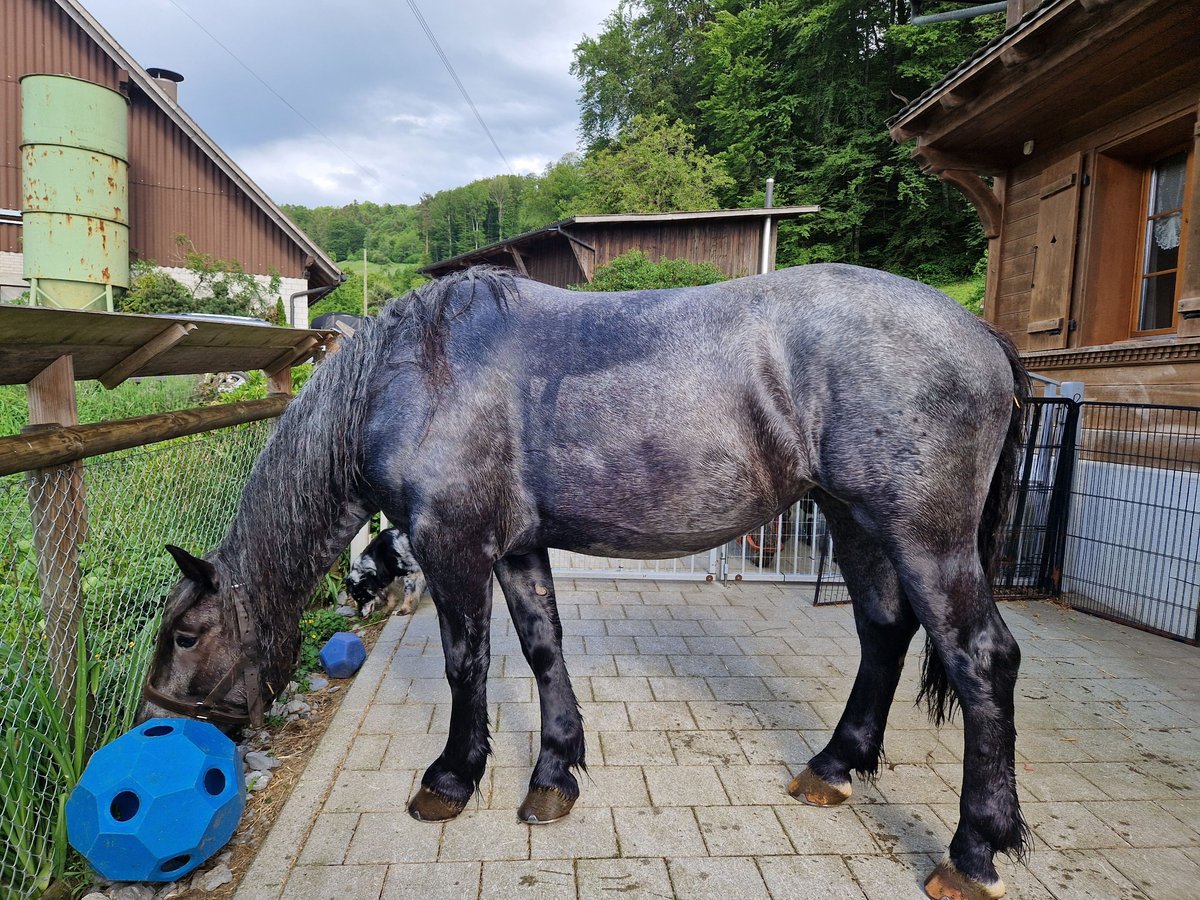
(31, 338)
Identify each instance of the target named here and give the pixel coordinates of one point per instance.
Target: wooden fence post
(59, 512)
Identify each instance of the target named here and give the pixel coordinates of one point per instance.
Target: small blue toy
(158, 801)
(343, 654)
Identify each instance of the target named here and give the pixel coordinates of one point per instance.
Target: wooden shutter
(1054, 259)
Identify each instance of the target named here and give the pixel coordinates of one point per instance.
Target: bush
(633, 271)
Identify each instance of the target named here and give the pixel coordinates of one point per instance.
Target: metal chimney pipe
(766, 239)
(167, 80)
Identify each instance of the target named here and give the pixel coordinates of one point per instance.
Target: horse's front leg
(529, 590)
(462, 595)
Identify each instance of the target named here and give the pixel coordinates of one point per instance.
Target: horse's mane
(424, 317)
(310, 469)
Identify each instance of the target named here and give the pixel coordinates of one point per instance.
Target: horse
(386, 562)
(492, 418)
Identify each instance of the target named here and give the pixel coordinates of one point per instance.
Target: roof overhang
(502, 251)
(111, 347)
(1065, 69)
(324, 270)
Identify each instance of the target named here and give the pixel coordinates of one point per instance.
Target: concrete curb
(273, 862)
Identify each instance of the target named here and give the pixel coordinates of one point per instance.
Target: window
(1132, 271)
(1162, 229)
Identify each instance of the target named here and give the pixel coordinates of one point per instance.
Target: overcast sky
(363, 72)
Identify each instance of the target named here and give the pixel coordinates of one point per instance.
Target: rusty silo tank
(75, 191)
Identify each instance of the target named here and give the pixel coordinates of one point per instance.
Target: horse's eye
(185, 641)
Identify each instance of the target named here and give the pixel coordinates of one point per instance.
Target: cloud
(379, 117)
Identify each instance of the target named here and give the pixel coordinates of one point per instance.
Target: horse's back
(655, 422)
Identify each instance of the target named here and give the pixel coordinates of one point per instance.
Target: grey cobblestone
(699, 703)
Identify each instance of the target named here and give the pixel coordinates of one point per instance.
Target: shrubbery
(633, 271)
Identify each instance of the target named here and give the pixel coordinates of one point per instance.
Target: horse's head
(206, 659)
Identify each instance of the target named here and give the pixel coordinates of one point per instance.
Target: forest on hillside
(692, 104)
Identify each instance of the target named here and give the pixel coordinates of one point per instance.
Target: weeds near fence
(97, 404)
(184, 491)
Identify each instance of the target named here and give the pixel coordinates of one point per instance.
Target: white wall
(287, 287)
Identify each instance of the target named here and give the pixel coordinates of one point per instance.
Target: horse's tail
(935, 686)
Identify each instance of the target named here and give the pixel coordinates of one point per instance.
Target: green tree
(654, 167)
(219, 286)
(552, 196)
(346, 236)
(633, 271)
(643, 61)
(802, 90)
(152, 291)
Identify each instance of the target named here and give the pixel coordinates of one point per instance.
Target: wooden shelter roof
(1064, 69)
(111, 347)
(557, 230)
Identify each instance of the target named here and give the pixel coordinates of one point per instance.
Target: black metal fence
(1033, 546)
(1133, 534)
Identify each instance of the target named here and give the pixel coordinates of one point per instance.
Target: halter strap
(246, 667)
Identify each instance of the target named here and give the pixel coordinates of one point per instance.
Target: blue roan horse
(492, 418)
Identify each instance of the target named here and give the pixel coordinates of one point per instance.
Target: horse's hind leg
(462, 594)
(885, 624)
(529, 590)
(974, 654)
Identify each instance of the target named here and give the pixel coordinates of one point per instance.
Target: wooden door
(1054, 260)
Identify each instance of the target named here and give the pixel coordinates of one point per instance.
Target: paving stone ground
(699, 700)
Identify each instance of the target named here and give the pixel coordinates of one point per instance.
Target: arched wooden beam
(985, 201)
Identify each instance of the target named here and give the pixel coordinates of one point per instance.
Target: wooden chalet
(180, 181)
(568, 252)
(1075, 136)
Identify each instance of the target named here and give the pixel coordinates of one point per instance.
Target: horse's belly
(660, 532)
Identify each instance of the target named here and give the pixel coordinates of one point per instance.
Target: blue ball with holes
(343, 654)
(158, 801)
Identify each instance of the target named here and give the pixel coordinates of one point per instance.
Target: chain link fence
(83, 575)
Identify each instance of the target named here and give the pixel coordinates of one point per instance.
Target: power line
(462, 90)
(361, 168)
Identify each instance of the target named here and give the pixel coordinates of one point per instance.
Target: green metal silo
(75, 191)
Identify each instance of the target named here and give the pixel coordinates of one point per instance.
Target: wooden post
(57, 504)
(280, 383)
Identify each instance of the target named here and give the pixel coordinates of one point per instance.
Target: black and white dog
(374, 576)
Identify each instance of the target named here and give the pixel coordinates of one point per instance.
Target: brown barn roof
(324, 269)
(491, 251)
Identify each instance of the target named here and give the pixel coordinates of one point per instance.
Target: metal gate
(1032, 550)
(794, 547)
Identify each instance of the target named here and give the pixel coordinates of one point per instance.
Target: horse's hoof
(544, 805)
(811, 788)
(428, 806)
(947, 883)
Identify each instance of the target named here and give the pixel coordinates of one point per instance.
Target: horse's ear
(195, 569)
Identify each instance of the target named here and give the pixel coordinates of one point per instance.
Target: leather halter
(246, 667)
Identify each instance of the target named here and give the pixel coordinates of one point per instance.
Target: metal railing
(79, 609)
(1133, 535)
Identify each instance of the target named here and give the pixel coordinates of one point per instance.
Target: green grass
(97, 404)
(968, 293)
